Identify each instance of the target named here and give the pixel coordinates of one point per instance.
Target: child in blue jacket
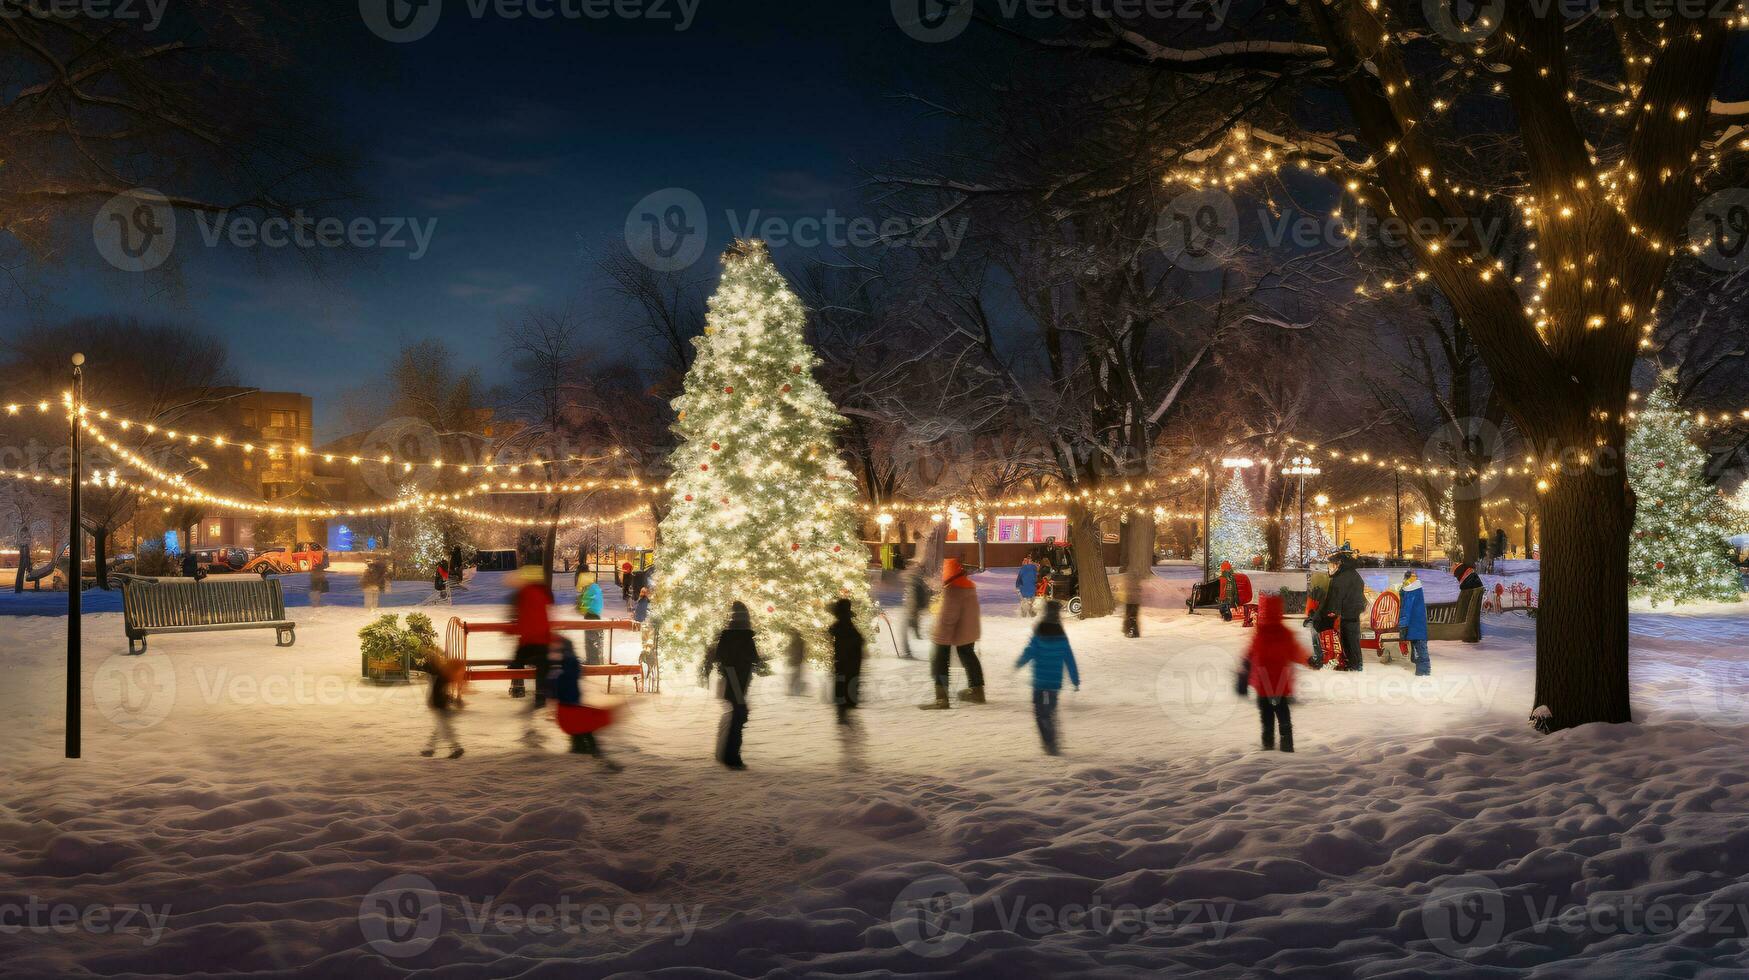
(1048, 652)
(1413, 620)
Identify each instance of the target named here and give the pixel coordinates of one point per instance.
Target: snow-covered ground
(247, 809)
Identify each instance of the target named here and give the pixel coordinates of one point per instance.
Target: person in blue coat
(1413, 620)
(1026, 583)
(1048, 652)
(591, 602)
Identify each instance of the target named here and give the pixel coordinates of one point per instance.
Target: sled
(1329, 649)
(1384, 626)
(581, 719)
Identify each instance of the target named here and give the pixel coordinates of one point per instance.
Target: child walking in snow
(1026, 583)
(443, 673)
(1048, 652)
(565, 681)
(735, 657)
(1269, 669)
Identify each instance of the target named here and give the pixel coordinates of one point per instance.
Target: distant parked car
(222, 561)
(285, 561)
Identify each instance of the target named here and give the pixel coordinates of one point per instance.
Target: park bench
(475, 669)
(182, 605)
(1204, 595)
(1460, 620)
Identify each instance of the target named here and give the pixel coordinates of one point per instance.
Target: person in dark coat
(1345, 598)
(191, 567)
(1270, 672)
(564, 680)
(1229, 590)
(735, 656)
(847, 650)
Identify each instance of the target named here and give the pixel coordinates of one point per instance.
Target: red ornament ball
(837, 548)
(704, 466)
(1658, 565)
(716, 445)
(1659, 464)
(795, 369)
(728, 389)
(794, 547)
(771, 609)
(786, 389)
(689, 498)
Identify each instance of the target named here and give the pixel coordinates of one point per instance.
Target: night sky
(529, 141)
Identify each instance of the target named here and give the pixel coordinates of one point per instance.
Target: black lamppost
(75, 559)
(1301, 466)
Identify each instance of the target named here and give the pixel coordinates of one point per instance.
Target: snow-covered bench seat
(191, 606)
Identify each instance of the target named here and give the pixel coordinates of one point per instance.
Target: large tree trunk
(1582, 613)
(1466, 509)
(1089, 550)
(23, 564)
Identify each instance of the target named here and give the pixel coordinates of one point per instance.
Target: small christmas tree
(1678, 548)
(762, 509)
(1235, 533)
(1317, 538)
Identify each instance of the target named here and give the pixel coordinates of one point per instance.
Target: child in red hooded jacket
(1270, 662)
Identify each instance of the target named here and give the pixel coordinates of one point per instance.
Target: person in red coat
(1271, 659)
(530, 604)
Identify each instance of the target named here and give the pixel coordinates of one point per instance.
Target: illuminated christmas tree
(763, 510)
(1678, 550)
(1235, 533)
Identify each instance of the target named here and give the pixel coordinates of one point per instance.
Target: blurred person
(1026, 584)
(735, 658)
(1269, 669)
(957, 630)
(444, 674)
(847, 652)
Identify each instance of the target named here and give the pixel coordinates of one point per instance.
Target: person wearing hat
(957, 629)
(1049, 653)
(531, 607)
(1229, 590)
(1345, 599)
(735, 656)
(1413, 620)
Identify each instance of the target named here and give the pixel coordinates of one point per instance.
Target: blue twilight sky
(528, 142)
